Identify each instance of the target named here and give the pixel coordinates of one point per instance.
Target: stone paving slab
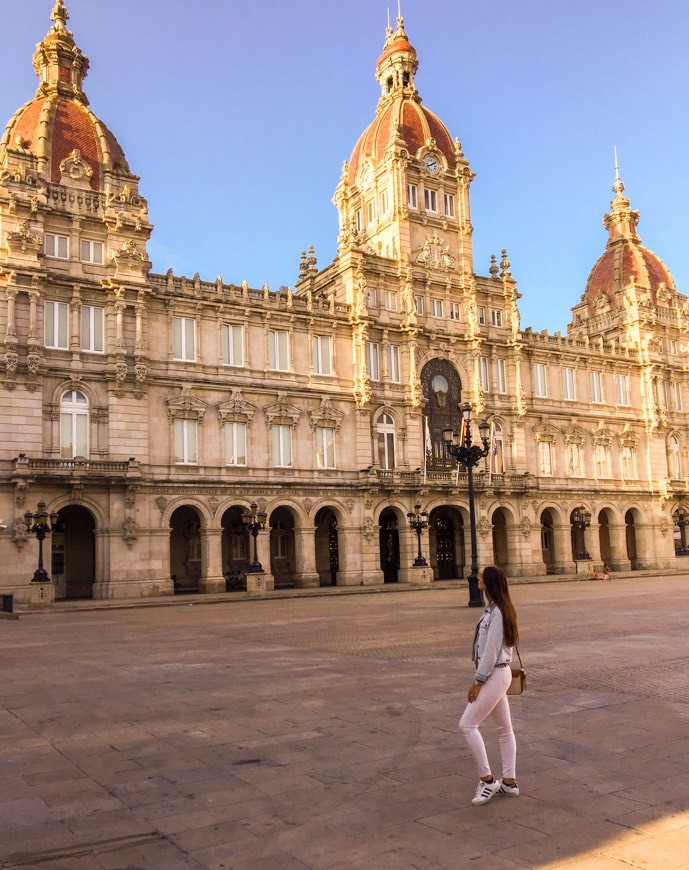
(321, 732)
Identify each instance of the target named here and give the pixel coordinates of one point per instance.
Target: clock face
(431, 164)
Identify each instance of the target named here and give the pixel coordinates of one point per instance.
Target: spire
(397, 64)
(622, 221)
(59, 63)
(60, 16)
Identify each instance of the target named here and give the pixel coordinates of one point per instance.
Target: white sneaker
(485, 791)
(512, 790)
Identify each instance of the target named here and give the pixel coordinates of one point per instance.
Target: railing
(25, 466)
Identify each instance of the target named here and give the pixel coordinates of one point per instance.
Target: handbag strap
(521, 665)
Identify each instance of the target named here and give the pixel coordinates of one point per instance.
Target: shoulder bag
(518, 684)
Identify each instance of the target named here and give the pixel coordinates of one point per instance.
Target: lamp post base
(475, 594)
(41, 594)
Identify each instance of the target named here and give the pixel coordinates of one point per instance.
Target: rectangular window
(91, 252)
(233, 344)
(322, 355)
(601, 460)
(370, 211)
(454, 310)
(596, 382)
(373, 360)
(412, 196)
(545, 458)
(235, 443)
(540, 384)
(671, 345)
(357, 220)
(501, 375)
(56, 246)
(372, 298)
(184, 339)
(325, 447)
(677, 393)
(661, 392)
(628, 462)
(73, 435)
(575, 465)
(484, 377)
(481, 315)
(391, 298)
(419, 304)
(394, 363)
(568, 390)
(282, 446)
(57, 325)
(437, 307)
(278, 350)
(186, 442)
(430, 200)
(449, 201)
(384, 202)
(92, 331)
(496, 317)
(622, 388)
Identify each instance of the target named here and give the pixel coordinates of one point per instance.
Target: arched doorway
(548, 541)
(282, 559)
(446, 537)
(389, 546)
(327, 547)
(442, 391)
(630, 531)
(73, 550)
(185, 549)
(235, 543)
(604, 537)
(500, 548)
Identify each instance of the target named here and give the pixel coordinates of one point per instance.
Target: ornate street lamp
(40, 524)
(418, 520)
(581, 520)
(459, 445)
(254, 521)
(681, 520)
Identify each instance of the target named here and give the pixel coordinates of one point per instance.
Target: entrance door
(74, 553)
(389, 548)
(445, 548)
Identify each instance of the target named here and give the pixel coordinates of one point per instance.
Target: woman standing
(495, 636)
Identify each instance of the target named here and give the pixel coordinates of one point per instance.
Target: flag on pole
(492, 450)
(427, 435)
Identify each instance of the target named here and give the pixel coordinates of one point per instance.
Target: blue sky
(238, 115)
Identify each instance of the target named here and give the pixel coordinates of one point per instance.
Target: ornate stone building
(149, 411)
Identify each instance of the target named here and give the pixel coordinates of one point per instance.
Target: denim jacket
(489, 647)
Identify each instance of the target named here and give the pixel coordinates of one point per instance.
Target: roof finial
(400, 21)
(60, 15)
(388, 29)
(617, 187)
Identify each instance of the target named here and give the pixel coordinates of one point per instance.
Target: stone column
(618, 548)
(212, 578)
(306, 575)
(563, 559)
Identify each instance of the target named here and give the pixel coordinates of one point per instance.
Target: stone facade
(151, 411)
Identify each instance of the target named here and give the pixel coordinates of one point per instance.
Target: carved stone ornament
(161, 503)
(435, 255)
(33, 363)
(129, 252)
(130, 496)
(75, 168)
(484, 526)
(120, 372)
(130, 531)
(235, 409)
(308, 504)
(349, 504)
(325, 415)
(19, 534)
(664, 526)
(186, 406)
(282, 411)
(22, 240)
(525, 527)
(368, 529)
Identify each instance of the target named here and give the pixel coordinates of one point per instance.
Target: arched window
(74, 425)
(497, 450)
(386, 441)
(674, 458)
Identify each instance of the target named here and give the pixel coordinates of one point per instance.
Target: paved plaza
(321, 732)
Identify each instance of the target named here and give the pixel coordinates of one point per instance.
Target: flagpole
(425, 450)
(491, 454)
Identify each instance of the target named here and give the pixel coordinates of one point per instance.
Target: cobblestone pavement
(322, 733)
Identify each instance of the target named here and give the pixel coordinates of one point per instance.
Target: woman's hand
(474, 689)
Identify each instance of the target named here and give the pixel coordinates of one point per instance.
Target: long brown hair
(498, 592)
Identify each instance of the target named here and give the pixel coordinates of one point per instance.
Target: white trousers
(492, 701)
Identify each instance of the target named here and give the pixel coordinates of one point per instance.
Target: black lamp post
(459, 445)
(418, 520)
(254, 521)
(681, 519)
(40, 524)
(581, 520)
